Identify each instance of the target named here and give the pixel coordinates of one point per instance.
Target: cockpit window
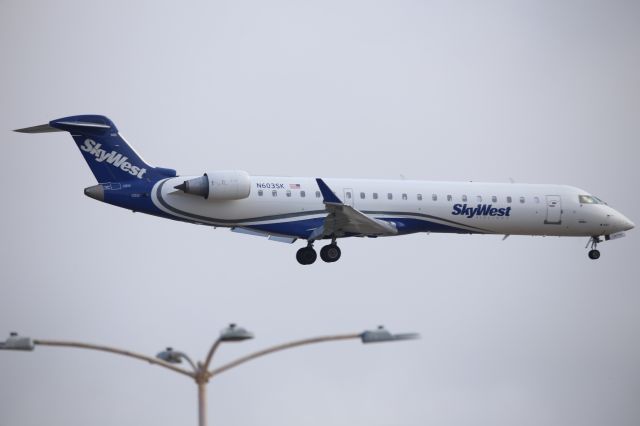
(599, 200)
(588, 199)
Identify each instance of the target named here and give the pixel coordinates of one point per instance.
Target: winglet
(327, 193)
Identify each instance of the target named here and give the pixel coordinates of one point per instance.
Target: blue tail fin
(109, 156)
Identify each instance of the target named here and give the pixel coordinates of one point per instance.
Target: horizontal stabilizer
(64, 126)
(43, 128)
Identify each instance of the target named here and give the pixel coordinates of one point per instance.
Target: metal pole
(281, 347)
(202, 403)
(123, 352)
(207, 361)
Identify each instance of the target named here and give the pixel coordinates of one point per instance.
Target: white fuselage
(291, 205)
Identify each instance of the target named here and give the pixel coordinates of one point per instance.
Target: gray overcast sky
(527, 331)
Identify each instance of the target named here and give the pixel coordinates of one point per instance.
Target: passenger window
(479, 198)
(536, 199)
(375, 195)
(434, 197)
(449, 197)
(404, 196)
(288, 193)
(521, 200)
(494, 199)
(464, 198)
(260, 193)
(318, 194)
(509, 199)
(419, 197)
(348, 195)
(302, 194)
(362, 195)
(274, 193)
(389, 196)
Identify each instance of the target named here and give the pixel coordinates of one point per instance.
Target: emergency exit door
(554, 210)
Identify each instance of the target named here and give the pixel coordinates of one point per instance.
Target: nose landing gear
(594, 253)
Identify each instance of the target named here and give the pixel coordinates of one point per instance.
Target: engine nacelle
(219, 186)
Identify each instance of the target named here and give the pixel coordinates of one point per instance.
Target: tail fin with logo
(109, 156)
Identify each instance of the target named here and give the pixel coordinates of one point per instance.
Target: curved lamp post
(200, 371)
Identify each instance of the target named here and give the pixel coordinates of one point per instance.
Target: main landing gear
(306, 255)
(329, 253)
(594, 253)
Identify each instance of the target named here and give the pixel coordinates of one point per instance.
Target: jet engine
(219, 186)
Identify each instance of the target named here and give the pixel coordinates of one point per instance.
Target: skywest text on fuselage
(480, 210)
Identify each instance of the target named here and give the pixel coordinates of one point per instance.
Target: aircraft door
(554, 210)
(348, 197)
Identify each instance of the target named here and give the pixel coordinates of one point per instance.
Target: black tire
(300, 256)
(594, 254)
(306, 256)
(330, 253)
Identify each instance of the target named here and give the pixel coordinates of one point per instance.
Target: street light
(17, 343)
(200, 372)
(381, 335)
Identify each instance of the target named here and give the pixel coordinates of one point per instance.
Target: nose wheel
(594, 253)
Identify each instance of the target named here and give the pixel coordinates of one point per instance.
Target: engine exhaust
(198, 186)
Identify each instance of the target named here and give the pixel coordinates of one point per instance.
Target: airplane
(286, 209)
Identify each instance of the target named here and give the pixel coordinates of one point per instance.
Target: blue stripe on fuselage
(136, 195)
(303, 228)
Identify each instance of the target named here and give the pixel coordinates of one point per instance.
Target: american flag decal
(294, 186)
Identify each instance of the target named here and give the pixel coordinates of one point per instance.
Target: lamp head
(383, 335)
(233, 333)
(170, 356)
(17, 343)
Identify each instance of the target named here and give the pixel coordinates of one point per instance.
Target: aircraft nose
(629, 224)
(623, 223)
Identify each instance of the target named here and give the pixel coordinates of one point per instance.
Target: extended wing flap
(344, 219)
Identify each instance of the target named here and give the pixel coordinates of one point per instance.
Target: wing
(272, 237)
(345, 220)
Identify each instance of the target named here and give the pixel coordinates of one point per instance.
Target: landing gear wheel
(306, 255)
(330, 253)
(594, 253)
